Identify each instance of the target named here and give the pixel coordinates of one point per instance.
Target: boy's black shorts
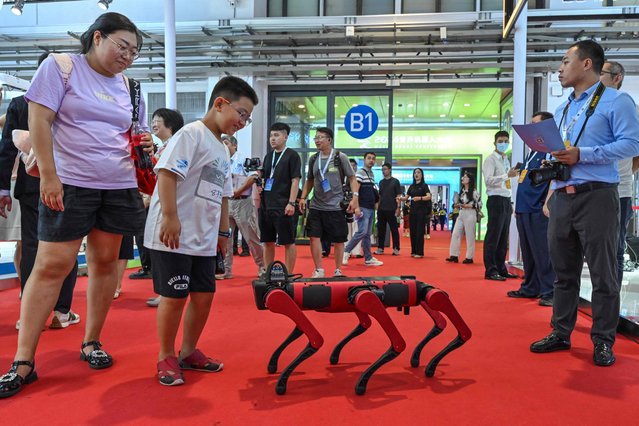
(176, 275)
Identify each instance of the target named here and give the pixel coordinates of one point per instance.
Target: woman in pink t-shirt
(79, 124)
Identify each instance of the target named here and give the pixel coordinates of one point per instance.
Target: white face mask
(502, 147)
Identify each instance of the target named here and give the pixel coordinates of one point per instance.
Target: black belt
(585, 187)
(241, 197)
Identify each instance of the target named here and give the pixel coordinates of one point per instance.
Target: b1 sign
(361, 122)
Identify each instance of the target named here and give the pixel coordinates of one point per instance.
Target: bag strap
(134, 91)
(65, 64)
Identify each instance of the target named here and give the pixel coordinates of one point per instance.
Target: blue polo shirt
(611, 134)
(531, 198)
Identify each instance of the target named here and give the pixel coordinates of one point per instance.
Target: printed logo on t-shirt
(179, 282)
(182, 164)
(104, 96)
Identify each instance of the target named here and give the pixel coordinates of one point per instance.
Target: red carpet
(493, 379)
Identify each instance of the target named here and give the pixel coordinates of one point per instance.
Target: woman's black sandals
(97, 358)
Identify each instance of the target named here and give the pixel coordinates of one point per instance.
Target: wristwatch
(226, 234)
(291, 203)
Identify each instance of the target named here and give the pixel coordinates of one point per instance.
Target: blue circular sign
(361, 122)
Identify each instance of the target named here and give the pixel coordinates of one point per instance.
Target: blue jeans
(363, 234)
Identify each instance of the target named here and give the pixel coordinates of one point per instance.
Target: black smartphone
(518, 166)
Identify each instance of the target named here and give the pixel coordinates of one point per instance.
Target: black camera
(348, 196)
(548, 171)
(254, 165)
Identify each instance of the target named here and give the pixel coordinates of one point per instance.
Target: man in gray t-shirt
(326, 221)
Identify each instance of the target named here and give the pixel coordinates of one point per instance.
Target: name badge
(522, 175)
(508, 185)
(326, 185)
(268, 185)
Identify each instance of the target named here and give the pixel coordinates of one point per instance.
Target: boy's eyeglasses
(132, 54)
(244, 115)
(320, 138)
(612, 74)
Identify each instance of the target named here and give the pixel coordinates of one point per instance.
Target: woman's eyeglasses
(132, 54)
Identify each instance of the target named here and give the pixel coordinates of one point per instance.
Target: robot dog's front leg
(280, 302)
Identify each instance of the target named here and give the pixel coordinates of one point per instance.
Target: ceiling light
(354, 105)
(17, 7)
(493, 116)
(445, 104)
(342, 116)
(410, 105)
(336, 106)
(411, 115)
(301, 106)
(442, 115)
(311, 117)
(466, 105)
(104, 4)
(462, 116)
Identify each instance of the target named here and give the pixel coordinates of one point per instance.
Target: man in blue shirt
(588, 198)
(532, 225)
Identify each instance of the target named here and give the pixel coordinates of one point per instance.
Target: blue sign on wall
(361, 122)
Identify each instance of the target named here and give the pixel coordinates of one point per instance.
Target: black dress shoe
(603, 355)
(517, 294)
(453, 259)
(545, 301)
(550, 343)
(467, 261)
(494, 277)
(509, 275)
(12, 383)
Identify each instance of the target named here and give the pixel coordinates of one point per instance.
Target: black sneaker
(141, 274)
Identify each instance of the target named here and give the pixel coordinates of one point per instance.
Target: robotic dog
(366, 297)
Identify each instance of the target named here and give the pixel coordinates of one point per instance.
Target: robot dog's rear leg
(440, 325)
(439, 301)
(364, 324)
(280, 302)
(367, 302)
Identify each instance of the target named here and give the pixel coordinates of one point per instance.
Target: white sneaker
(347, 255)
(428, 236)
(220, 277)
(395, 252)
(318, 273)
(338, 273)
(379, 251)
(61, 320)
(373, 262)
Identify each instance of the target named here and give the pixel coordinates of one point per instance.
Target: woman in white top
(468, 201)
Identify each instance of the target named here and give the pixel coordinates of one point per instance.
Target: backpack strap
(311, 162)
(338, 165)
(65, 64)
(135, 92)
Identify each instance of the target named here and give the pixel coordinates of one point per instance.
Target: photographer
(599, 126)
(241, 211)
(282, 173)
(327, 217)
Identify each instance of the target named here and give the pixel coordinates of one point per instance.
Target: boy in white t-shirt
(188, 220)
